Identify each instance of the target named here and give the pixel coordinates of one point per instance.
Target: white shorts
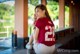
(43, 49)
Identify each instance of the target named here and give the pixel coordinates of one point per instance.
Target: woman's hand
(35, 17)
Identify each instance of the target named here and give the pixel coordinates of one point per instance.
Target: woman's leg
(30, 40)
(29, 44)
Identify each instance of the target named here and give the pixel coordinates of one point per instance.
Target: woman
(43, 37)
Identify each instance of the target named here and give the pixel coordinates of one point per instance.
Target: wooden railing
(64, 32)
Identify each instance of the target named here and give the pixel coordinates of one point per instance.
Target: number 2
(49, 33)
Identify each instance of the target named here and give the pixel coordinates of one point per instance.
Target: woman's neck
(43, 16)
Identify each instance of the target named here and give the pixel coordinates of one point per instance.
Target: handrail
(2, 32)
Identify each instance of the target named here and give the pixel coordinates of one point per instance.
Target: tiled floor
(17, 51)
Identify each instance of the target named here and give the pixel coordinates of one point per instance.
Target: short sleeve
(38, 24)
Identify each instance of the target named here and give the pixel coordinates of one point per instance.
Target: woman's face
(39, 13)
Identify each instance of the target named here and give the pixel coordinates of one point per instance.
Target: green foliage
(66, 16)
(30, 10)
(7, 15)
(53, 9)
(33, 2)
(3, 35)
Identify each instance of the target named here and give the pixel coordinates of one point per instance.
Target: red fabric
(45, 28)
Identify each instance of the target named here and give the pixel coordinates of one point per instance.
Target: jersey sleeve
(38, 24)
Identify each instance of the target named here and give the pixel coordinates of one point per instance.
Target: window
(53, 9)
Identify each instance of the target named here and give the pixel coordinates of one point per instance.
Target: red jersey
(46, 33)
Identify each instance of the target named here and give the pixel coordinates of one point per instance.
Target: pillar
(70, 15)
(21, 21)
(21, 17)
(61, 14)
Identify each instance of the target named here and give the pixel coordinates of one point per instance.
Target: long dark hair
(43, 7)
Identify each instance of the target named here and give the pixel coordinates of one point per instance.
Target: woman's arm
(35, 36)
(53, 30)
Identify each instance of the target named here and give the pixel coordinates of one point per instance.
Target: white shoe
(28, 46)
